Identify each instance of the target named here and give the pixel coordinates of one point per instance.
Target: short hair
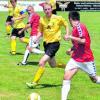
(30, 6)
(74, 15)
(47, 4)
(12, 0)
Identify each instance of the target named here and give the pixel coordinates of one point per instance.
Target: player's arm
(77, 39)
(7, 6)
(65, 24)
(19, 18)
(25, 28)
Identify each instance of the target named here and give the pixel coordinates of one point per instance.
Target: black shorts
(9, 19)
(15, 33)
(51, 48)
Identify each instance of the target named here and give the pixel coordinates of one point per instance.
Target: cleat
(21, 63)
(13, 52)
(31, 85)
(8, 34)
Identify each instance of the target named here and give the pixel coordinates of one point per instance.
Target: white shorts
(88, 67)
(31, 42)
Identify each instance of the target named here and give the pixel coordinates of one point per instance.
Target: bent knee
(41, 63)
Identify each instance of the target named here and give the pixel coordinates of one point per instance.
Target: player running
(81, 57)
(17, 26)
(50, 28)
(33, 22)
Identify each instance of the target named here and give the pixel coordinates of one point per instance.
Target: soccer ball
(34, 96)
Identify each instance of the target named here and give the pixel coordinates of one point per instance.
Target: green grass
(13, 77)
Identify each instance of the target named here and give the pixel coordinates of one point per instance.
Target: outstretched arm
(78, 39)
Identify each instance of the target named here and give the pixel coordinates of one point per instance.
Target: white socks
(98, 80)
(37, 51)
(25, 56)
(65, 89)
(27, 52)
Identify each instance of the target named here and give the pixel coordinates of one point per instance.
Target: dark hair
(74, 15)
(12, 0)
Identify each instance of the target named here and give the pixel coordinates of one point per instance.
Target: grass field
(14, 77)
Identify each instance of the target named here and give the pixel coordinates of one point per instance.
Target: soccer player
(82, 56)
(17, 26)
(50, 28)
(33, 22)
(8, 20)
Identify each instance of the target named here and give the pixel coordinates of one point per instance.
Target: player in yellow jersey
(17, 26)
(50, 29)
(10, 15)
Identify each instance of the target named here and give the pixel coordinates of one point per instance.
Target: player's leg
(26, 55)
(8, 25)
(90, 69)
(13, 41)
(37, 51)
(95, 79)
(8, 28)
(92, 72)
(52, 62)
(70, 70)
(34, 46)
(39, 72)
(27, 51)
(24, 40)
(22, 37)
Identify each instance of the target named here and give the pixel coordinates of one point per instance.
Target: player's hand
(20, 32)
(5, 5)
(67, 37)
(69, 52)
(13, 19)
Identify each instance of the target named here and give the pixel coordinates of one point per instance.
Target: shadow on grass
(18, 53)
(40, 86)
(32, 63)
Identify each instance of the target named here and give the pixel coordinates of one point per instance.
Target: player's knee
(67, 76)
(41, 63)
(29, 48)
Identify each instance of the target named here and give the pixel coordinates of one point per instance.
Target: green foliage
(14, 77)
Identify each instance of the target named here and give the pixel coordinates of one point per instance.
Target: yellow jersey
(16, 13)
(10, 9)
(51, 28)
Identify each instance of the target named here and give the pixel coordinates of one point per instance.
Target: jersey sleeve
(63, 22)
(80, 31)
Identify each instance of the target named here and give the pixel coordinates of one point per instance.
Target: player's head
(30, 9)
(74, 17)
(13, 2)
(47, 9)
